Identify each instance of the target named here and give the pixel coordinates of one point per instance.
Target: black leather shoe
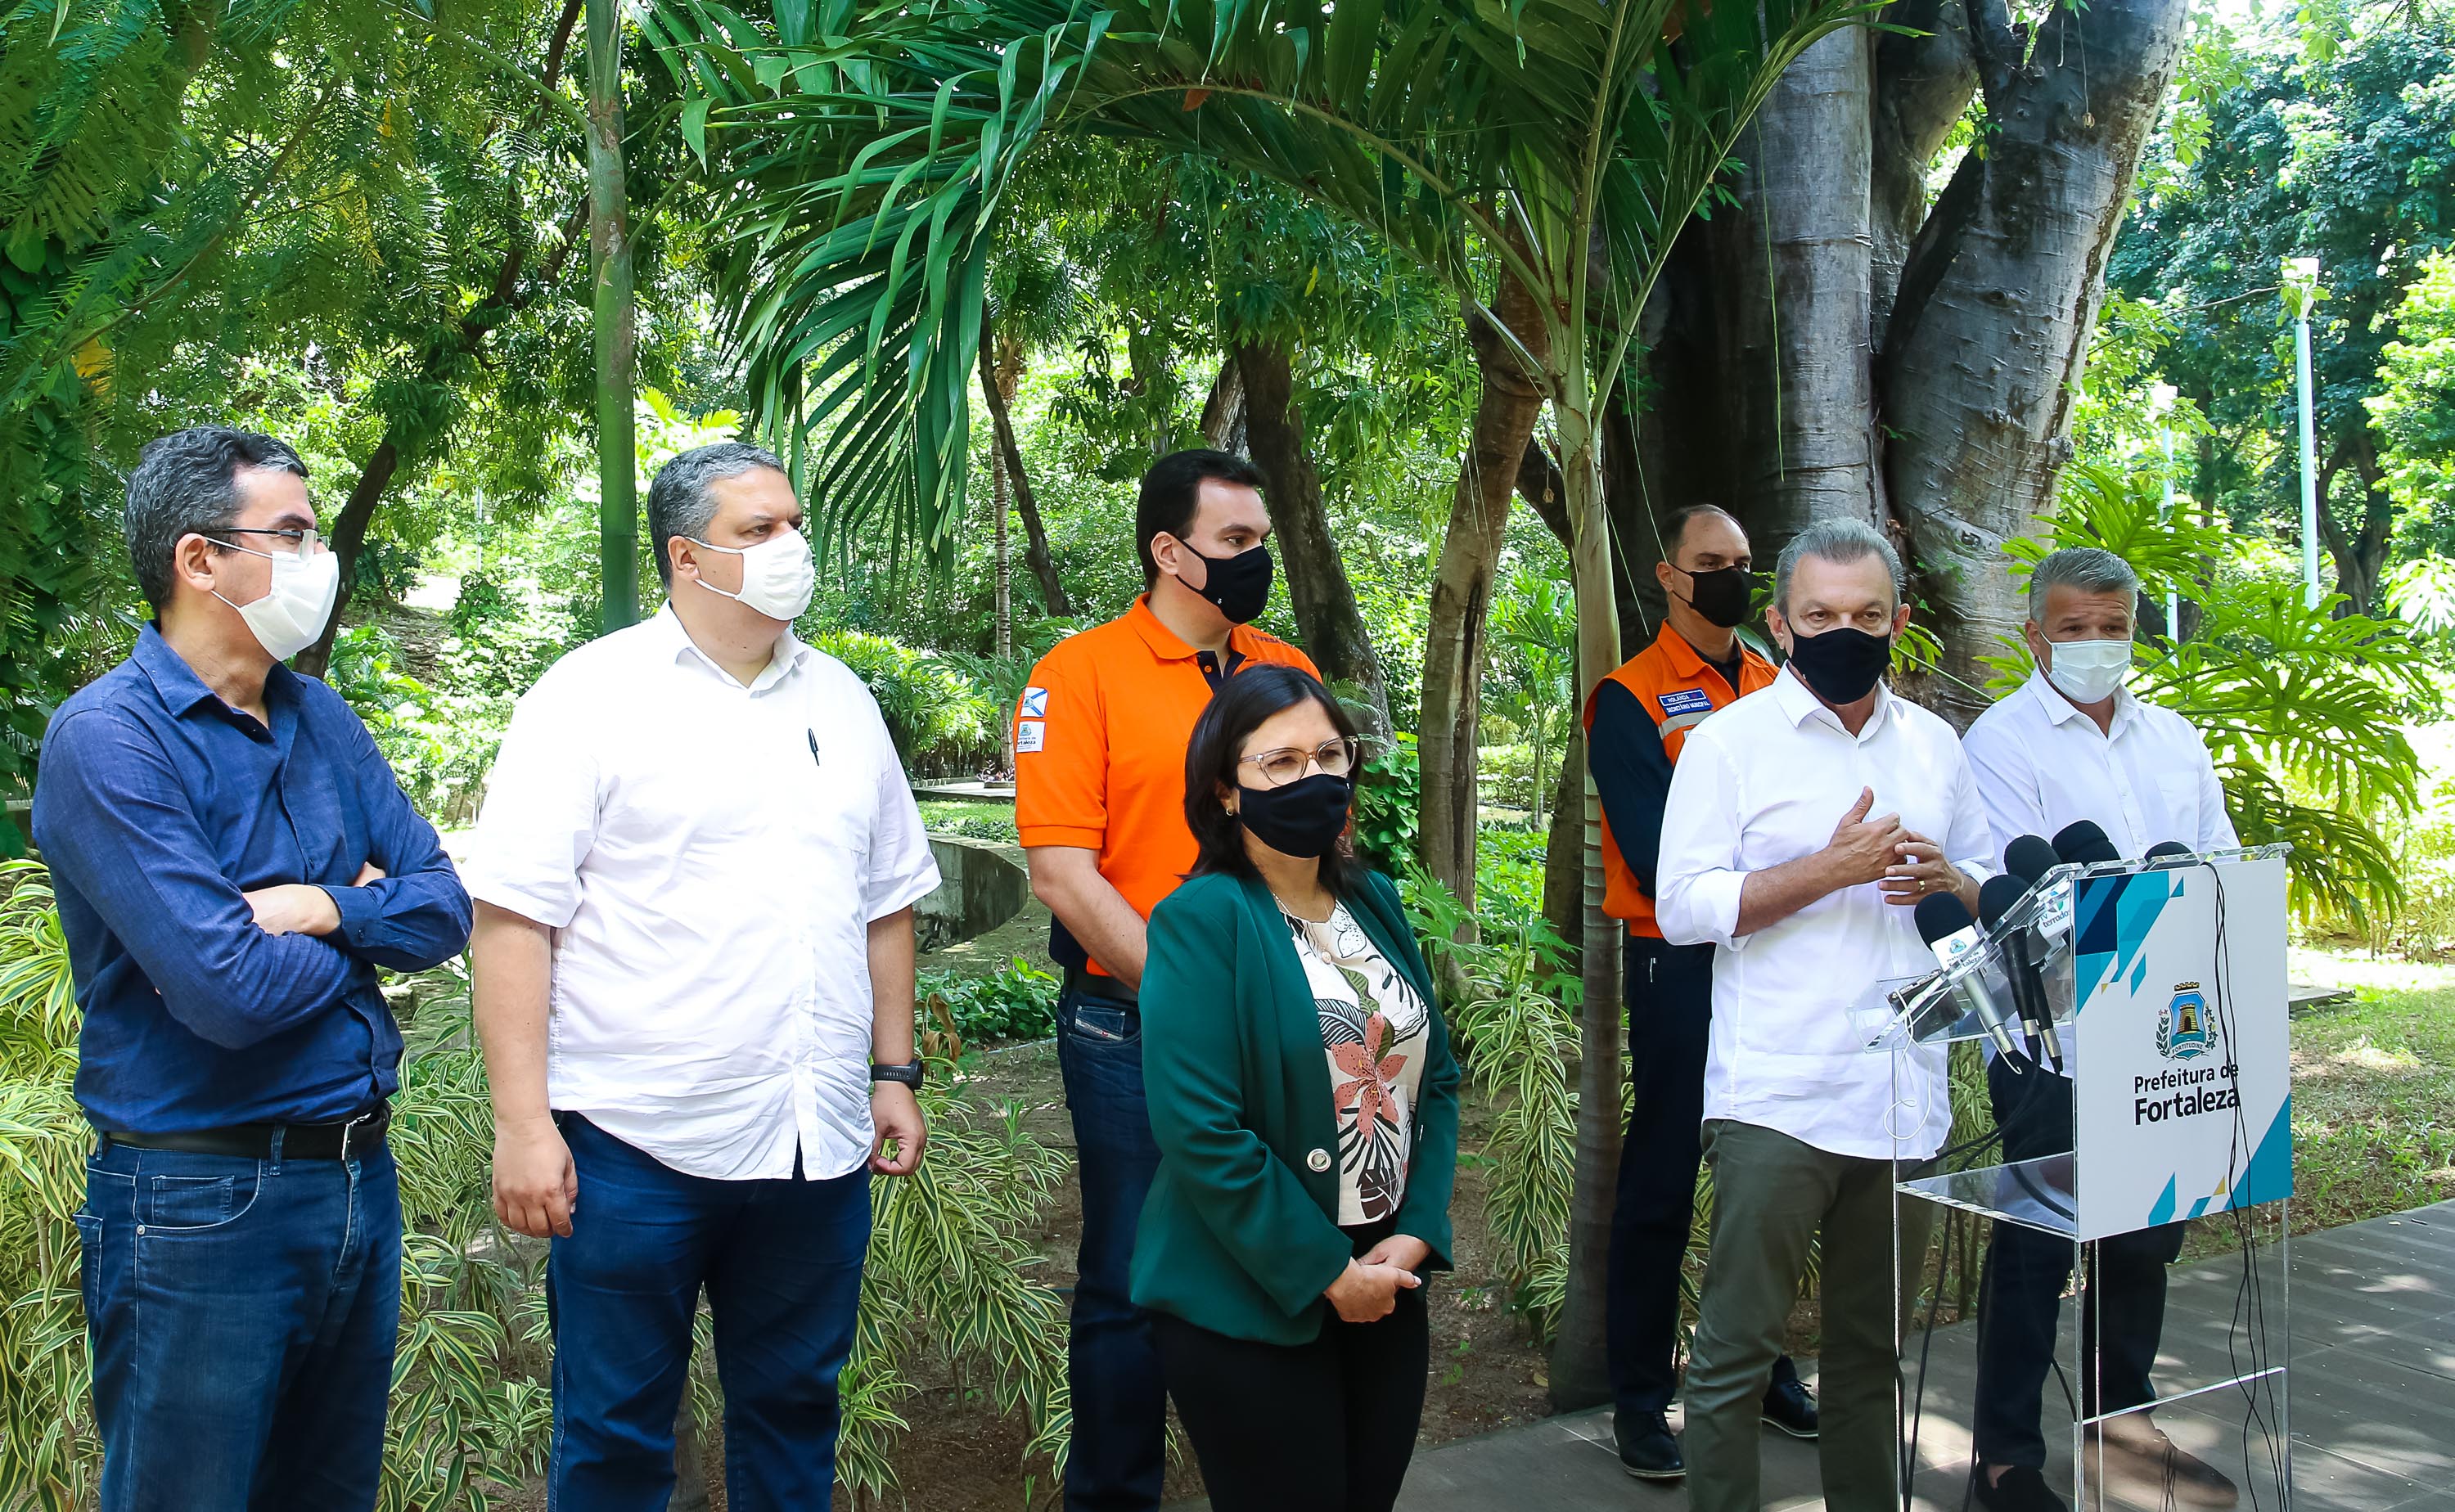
(1647, 1449)
(2022, 1489)
(1789, 1405)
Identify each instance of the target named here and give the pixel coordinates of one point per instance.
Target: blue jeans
(242, 1313)
(781, 1264)
(1118, 1456)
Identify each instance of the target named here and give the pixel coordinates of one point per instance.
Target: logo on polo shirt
(1035, 703)
(1686, 701)
(1030, 734)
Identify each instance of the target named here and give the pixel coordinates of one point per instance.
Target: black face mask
(1842, 665)
(1305, 818)
(1238, 586)
(1721, 596)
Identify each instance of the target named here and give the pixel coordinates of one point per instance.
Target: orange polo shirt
(1673, 690)
(1100, 740)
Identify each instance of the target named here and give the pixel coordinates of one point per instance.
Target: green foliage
(1019, 1002)
(1516, 1039)
(49, 1445)
(1388, 800)
(2302, 707)
(937, 715)
(2413, 412)
(948, 1274)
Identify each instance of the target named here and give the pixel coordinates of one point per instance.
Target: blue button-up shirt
(157, 805)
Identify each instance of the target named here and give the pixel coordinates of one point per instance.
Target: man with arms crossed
(694, 876)
(2072, 744)
(233, 862)
(1803, 820)
(1637, 721)
(1100, 741)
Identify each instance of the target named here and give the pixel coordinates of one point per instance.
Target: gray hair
(1840, 542)
(187, 484)
(2090, 569)
(681, 501)
(1674, 527)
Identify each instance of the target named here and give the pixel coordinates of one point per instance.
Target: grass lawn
(978, 821)
(2373, 1090)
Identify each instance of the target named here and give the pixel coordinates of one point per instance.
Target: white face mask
(292, 614)
(778, 575)
(2088, 670)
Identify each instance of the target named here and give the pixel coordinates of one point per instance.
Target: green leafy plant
(1018, 1002)
(1387, 803)
(935, 715)
(1514, 1035)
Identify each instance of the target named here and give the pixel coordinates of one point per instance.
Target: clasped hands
(1367, 1290)
(1905, 865)
(302, 908)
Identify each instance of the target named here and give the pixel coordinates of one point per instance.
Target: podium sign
(2184, 1092)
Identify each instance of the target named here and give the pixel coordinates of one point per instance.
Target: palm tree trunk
(1579, 1374)
(1454, 645)
(1318, 589)
(609, 244)
(1035, 550)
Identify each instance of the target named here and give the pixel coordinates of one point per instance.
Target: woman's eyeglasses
(1287, 764)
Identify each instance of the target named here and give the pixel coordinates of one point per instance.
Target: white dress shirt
(2042, 764)
(1765, 782)
(710, 857)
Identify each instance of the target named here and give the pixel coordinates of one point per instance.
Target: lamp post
(2301, 291)
(2160, 408)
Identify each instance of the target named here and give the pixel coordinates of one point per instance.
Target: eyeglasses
(1288, 763)
(302, 542)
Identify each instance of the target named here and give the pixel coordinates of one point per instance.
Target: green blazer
(1240, 1233)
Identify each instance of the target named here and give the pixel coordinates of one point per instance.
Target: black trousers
(2123, 1314)
(1327, 1426)
(1670, 994)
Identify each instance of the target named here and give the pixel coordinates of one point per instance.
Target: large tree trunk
(1223, 412)
(1796, 256)
(2002, 287)
(1035, 548)
(1333, 628)
(2359, 554)
(1454, 645)
(1001, 378)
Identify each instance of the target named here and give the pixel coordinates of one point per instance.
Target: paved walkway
(2372, 1405)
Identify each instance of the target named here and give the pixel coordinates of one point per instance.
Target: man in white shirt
(2071, 743)
(695, 876)
(1802, 822)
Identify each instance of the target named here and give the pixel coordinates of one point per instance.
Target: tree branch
(1996, 46)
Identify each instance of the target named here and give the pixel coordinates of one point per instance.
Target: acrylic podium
(2160, 988)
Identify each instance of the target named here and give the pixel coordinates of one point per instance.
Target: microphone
(1997, 894)
(1944, 923)
(2029, 858)
(2021, 949)
(2084, 844)
(2165, 854)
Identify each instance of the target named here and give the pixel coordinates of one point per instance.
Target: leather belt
(344, 1140)
(1091, 984)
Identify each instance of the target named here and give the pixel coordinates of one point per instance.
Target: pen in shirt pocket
(815, 759)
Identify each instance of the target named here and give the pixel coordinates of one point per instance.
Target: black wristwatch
(910, 1074)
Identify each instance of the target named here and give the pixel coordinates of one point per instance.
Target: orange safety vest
(1677, 689)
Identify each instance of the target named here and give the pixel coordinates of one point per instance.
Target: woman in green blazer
(1305, 1103)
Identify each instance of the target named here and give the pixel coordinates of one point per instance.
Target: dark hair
(187, 484)
(1236, 711)
(1674, 527)
(1172, 494)
(680, 502)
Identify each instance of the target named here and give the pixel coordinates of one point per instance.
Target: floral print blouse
(1376, 1030)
